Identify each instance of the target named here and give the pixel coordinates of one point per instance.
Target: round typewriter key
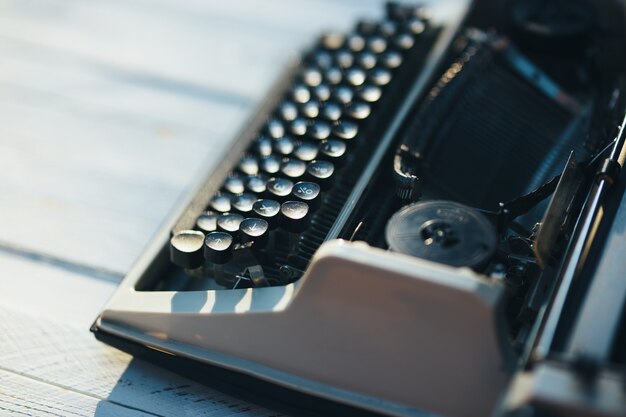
(343, 94)
(279, 188)
(322, 92)
(262, 145)
(249, 165)
(370, 93)
(358, 110)
(377, 44)
(306, 151)
(234, 184)
(346, 130)
(284, 146)
(218, 247)
(229, 222)
(355, 76)
(220, 202)
(312, 77)
(333, 150)
(257, 184)
(275, 128)
(322, 59)
(254, 230)
(403, 41)
(268, 210)
(331, 111)
(207, 222)
(391, 59)
(367, 60)
(380, 76)
(387, 28)
(367, 27)
(298, 126)
(243, 203)
(288, 110)
(416, 26)
(397, 11)
(355, 42)
(321, 172)
(310, 109)
(293, 168)
(344, 58)
(332, 40)
(309, 192)
(333, 75)
(301, 93)
(294, 216)
(319, 130)
(186, 249)
(270, 164)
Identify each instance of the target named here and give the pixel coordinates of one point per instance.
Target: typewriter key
(234, 184)
(207, 222)
(270, 164)
(220, 202)
(355, 42)
(367, 60)
(355, 76)
(249, 165)
(288, 111)
(343, 94)
(323, 59)
(370, 93)
(367, 27)
(333, 150)
(306, 151)
(301, 93)
(311, 77)
(332, 40)
(292, 168)
(322, 92)
(333, 75)
(416, 26)
(186, 249)
(257, 183)
(319, 130)
(294, 218)
(403, 41)
(344, 58)
(310, 109)
(387, 28)
(358, 110)
(377, 44)
(309, 192)
(254, 230)
(298, 126)
(284, 146)
(275, 128)
(391, 59)
(321, 172)
(380, 76)
(243, 203)
(279, 188)
(218, 249)
(229, 222)
(346, 130)
(267, 210)
(331, 111)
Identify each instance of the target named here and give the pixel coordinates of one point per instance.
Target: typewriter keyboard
(277, 205)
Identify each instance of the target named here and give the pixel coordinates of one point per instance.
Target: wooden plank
(46, 314)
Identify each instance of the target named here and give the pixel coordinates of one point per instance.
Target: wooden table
(107, 111)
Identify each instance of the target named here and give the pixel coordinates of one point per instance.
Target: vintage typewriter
(425, 217)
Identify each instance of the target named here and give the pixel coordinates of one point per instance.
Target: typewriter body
(425, 217)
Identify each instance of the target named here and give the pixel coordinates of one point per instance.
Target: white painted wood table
(107, 111)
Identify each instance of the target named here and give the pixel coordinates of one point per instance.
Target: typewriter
(425, 217)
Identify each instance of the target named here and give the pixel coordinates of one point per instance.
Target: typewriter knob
(229, 222)
(444, 232)
(268, 210)
(207, 222)
(254, 230)
(218, 247)
(186, 249)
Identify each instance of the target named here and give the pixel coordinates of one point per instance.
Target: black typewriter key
(370, 93)
(257, 184)
(218, 249)
(309, 192)
(333, 150)
(284, 146)
(306, 151)
(397, 11)
(358, 110)
(262, 146)
(270, 164)
(319, 130)
(344, 58)
(322, 92)
(294, 218)
(220, 202)
(229, 222)
(387, 28)
(403, 41)
(298, 126)
(312, 77)
(355, 76)
(254, 230)
(367, 60)
(377, 44)
(234, 184)
(249, 165)
(310, 109)
(331, 111)
(380, 76)
(243, 203)
(321, 172)
(267, 210)
(367, 27)
(275, 128)
(355, 42)
(186, 249)
(301, 93)
(343, 94)
(288, 110)
(292, 168)
(332, 40)
(416, 26)
(279, 188)
(345, 129)
(333, 75)
(391, 59)
(323, 59)
(207, 222)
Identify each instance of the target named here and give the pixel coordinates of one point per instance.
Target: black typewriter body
(425, 217)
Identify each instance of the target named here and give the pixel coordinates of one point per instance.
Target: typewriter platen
(425, 216)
